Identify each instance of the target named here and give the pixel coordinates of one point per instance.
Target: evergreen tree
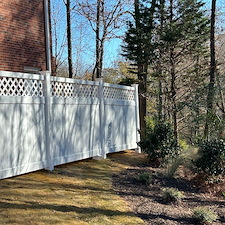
(139, 48)
(170, 36)
(185, 32)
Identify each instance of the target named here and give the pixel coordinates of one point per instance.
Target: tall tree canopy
(172, 33)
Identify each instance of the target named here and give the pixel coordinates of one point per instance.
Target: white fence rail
(48, 121)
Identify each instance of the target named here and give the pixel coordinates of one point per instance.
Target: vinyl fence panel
(75, 120)
(22, 138)
(48, 121)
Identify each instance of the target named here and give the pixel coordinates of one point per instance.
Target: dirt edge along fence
(48, 121)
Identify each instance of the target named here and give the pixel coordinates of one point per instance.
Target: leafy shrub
(159, 143)
(171, 195)
(223, 194)
(183, 145)
(203, 215)
(145, 178)
(128, 81)
(212, 157)
(150, 123)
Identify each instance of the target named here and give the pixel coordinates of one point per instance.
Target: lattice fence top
(33, 85)
(10, 86)
(118, 94)
(73, 90)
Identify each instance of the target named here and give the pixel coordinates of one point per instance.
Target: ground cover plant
(172, 195)
(204, 215)
(145, 178)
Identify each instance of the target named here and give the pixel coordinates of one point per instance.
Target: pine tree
(185, 32)
(139, 49)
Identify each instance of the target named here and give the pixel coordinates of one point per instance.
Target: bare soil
(146, 200)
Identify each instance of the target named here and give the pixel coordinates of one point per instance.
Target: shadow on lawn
(65, 209)
(36, 185)
(180, 220)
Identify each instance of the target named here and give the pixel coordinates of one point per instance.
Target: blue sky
(83, 38)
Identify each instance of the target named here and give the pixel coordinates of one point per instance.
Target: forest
(174, 50)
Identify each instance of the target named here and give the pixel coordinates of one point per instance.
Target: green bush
(159, 143)
(183, 145)
(171, 195)
(212, 157)
(223, 194)
(150, 123)
(203, 215)
(145, 178)
(127, 81)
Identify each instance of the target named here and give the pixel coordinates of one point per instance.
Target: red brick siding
(22, 35)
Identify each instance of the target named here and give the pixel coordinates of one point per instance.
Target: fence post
(47, 106)
(137, 116)
(101, 118)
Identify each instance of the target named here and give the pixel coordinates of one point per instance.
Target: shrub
(127, 81)
(145, 178)
(183, 145)
(223, 194)
(185, 159)
(173, 166)
(150, 123)
(212, 157)
(203, 215)
(171, 195)
(159, 143)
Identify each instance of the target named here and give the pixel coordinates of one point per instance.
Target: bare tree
(58, 36)
(105, 19)
(69, 36)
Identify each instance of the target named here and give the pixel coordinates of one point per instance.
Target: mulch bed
(146, 200)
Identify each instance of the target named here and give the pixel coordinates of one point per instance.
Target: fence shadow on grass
(65, 208)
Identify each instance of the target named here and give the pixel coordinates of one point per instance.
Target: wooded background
(174, 50)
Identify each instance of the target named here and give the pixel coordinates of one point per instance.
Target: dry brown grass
(79, 193)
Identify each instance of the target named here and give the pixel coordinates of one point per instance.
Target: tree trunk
(160, 92)
(69, 38)
(142, 73)
(173, 81)
(211, 91)
(104, 34)
(160, 99)
(221, 106)
(97, 64)
(173, 95)
(142, 77)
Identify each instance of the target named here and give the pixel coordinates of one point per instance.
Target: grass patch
(78, 193)
(171, 195)
(204, 215)
(145, 178)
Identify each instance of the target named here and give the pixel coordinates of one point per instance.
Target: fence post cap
(134, 85)
(45, 72)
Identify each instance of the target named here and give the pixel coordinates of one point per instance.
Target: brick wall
(22, 35)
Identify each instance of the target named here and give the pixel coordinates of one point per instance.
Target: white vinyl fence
(47, 121)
